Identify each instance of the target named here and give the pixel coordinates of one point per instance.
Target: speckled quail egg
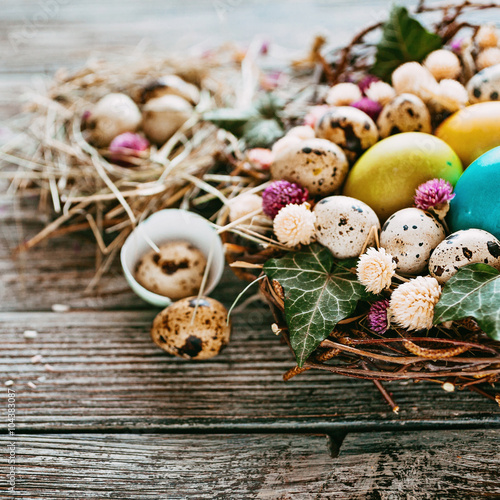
(410, 235)
(293, 136)
(485, 85)
(171, 85)
(343, 225)
(113, 115)
(405, 113)
(176, 272)
(316, 164)
(469, 246)
(175, 331)
(163, 116)
(352, 129)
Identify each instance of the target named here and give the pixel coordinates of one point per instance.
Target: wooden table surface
(103, 413)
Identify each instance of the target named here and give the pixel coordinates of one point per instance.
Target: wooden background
(106, 414)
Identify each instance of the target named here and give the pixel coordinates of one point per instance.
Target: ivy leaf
(231, 119)
(404, 39)
(262, 133)
(319, 292)
(473, 291)
(269, 105)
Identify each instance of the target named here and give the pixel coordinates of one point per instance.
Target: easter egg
(386, 176)
(472, 131)
(477, 196)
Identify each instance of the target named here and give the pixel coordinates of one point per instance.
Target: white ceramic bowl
(168, 225)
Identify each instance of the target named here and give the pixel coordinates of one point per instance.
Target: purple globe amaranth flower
(366, 81)
(377, 316)
(279, 194)
(433, 194)
(371, 108)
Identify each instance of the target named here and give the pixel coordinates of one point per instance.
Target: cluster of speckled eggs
(125, 126)
(359, 160)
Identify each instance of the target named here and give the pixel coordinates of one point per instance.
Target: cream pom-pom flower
(487, 36)
(343, 94)
(244, 204)
(413, 78)
(452, 96)
(412, 303)
(375, 270)
(488, 57)
(380, 92)
(294, 224)
(443, 64)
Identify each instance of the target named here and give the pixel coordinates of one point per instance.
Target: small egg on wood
(410, 235)
(469, 246)
(405, 113)
(350, 128)
(343, 225)
(316, 164)
(176, 332)
(176, 272)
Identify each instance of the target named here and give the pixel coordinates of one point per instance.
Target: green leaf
(231, 119)
(473, 291)
(262, 133)
(404, 39)
(269, 105)
(319, 292)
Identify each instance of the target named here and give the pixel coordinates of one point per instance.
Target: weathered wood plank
(109, 375)
(417, 465)
(442, 464)
(156, 466)
(58, 270)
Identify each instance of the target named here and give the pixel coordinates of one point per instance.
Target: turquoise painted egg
(477, 196)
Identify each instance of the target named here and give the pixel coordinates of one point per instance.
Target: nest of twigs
(450, 18)
(460, 356)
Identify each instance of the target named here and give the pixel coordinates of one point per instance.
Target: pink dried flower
(371, 108)
(128, 144)
(86, 115)
(456, 45)
(314, 114)
(264, 48)
(367, 81)
(269, 81)
(260, 157)
(433, 193)
(279, 194)
(377, 316)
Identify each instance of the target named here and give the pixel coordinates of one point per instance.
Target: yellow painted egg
(472, 131)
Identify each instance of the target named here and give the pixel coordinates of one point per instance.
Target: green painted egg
(386, 176)
(477, 196)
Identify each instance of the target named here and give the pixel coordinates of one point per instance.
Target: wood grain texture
(146, 466)
(419, 465)
(109, 375)
(383, 466)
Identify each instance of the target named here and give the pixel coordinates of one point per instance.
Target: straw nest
(80, 184)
